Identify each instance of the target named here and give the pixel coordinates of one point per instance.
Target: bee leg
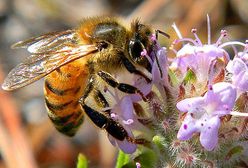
(103, 121)
(100, 119)
(101, 101)
(132, 69)
(126, 88)
(111, 126)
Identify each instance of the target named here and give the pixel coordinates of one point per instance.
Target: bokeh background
(27, 137)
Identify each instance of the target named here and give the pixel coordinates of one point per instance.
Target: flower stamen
(138, 165)
(209, 30)
(223, 33)
(128, 122)
(144, 54)
(239, 114)
(198, 41)
(174, 26)
(232, 43)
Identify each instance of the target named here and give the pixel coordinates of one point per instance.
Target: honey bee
(75, 62)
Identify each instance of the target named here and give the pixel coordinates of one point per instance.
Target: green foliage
(147, 158)
(158, 141)
(122, 159)
(236, 150)
(190, 77)
(173, 77)
(82, 161)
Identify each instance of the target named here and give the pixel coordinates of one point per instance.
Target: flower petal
(186, 104)
(187, 128)
(111, 140)
(126, 106)
(162, 65)
(226, 94)
(242, 81)
(236, 66)
(209, 133)
(126, 146)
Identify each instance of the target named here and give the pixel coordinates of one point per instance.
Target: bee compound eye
(102, 45)
(135, 49)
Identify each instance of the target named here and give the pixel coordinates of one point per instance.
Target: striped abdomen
(63, 89)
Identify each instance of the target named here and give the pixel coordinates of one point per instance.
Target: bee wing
(40, 63)
(48, 42)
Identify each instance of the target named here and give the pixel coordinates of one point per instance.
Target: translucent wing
(48, 52)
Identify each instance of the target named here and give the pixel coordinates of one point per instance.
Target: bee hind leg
(103, 119)
(126, 88)
(114, 128)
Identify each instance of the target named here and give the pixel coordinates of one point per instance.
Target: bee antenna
(162, 33)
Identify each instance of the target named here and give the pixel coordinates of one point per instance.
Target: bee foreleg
(132, 69)
(126, 88)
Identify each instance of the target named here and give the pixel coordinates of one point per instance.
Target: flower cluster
(196, 102)
(210, 64)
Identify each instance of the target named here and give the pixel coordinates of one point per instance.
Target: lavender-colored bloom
(159, 68)
(123, 110)
(238, 67)
(123, 113)
(198, 57)
(124, 145)
(203, 113)
(138, 165)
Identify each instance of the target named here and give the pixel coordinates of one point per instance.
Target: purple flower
(238, 67)
(122, 109)
(138, 165)
(198, 57)
(203, 113)
(160, 68)
(123, 113)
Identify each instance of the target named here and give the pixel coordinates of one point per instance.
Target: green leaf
(129, 165)
(190, 77)
(122, 159)
(236, 150)
(82, 161)
(147, 158)
(173, 77)
(158, 141)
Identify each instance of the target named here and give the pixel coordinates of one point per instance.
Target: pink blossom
(203, 113)
(238, 67)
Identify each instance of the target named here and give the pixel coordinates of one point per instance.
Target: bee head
(140, 40)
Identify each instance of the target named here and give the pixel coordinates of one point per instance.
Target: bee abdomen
(68, 124)
(60, 92)
(63, 89)
(55, 107)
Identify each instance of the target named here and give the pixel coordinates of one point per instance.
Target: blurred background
(27, 137)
